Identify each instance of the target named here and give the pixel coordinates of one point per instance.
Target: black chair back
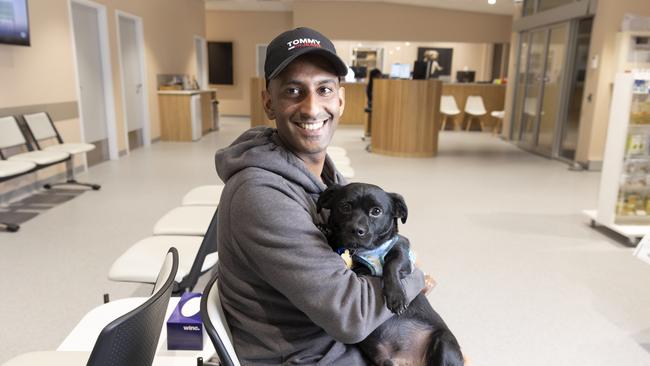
(132, 338)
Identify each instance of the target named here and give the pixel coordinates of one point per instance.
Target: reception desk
(493, 97)
(405, 117)
(355, 103)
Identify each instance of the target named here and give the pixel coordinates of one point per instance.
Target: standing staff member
(289, 299)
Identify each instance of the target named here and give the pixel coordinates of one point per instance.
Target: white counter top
(185, 92)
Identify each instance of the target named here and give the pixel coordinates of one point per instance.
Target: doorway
(550, 75)
(95, 90)
(134, 91)
(201, 50)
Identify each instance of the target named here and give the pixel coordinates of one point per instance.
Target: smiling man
(289, 299)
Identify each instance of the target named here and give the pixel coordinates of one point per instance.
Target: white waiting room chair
(340, 160)
(216, 325)
(346, 171)
(185, 220)
(9, 170)
(208, 195)
(448, 109)
(475, 108)
(11, 136)
(41, 127)
(127, 337)
(498, 115)
(139, 263)
(336, 151)
(198, 255)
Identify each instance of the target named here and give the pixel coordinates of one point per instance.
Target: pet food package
(184, 326)
(643, 249)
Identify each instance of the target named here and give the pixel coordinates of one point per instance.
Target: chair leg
(95, 187)
(71, 181)
(469, 123)
(444, 122)
(9, 227)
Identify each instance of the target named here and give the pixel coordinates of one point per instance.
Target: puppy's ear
(326, 198)
(399, 207)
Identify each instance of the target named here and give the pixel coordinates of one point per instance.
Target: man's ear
(266, 102)
(341, 100)
(326, 198)
(399, 207)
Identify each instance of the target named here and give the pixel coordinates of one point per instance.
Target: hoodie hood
(261, 147)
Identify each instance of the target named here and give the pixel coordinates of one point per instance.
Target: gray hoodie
(288, 298)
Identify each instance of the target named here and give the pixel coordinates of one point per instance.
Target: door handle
(138, 87)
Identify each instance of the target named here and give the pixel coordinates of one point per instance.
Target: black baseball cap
(292, 44)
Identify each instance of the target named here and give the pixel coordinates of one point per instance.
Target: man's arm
(286, 248)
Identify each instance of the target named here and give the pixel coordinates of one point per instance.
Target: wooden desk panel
(493, 97)
(258, 116)
(355, 103)
(405, 117)
(175, 118)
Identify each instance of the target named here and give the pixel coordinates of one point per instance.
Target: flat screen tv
(14, 22)
(220, 63)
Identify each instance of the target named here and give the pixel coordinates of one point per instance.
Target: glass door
(533, 88)
(569, 138)
(515, 131)
(552, 89)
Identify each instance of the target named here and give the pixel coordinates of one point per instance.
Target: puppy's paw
(396, 301)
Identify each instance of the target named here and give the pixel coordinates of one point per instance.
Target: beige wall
(595, 113)
(45, 73)
(392, 22)
(245, 29)
(346, 21)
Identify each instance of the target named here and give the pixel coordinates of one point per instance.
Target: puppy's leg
(396, 266)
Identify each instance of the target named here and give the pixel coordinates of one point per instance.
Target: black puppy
(363, 219)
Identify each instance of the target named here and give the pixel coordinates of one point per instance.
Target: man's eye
(375, 212)
(293, 91)
(345, 208)
(326, 91)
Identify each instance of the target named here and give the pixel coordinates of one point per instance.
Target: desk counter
(405, 117)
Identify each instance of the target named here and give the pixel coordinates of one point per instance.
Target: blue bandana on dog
(374, 258)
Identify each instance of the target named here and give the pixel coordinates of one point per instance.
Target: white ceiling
(501, 7)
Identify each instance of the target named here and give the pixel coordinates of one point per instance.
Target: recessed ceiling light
(408, 43)
(398, 48)
(492, 2)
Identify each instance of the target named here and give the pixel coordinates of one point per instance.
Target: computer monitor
(465, 76)
(400, 71)
(419, 70)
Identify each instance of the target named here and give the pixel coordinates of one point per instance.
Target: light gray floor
(523, 280)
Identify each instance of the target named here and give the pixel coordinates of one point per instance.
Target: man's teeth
(311, 126)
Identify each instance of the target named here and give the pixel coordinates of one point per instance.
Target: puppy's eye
(345, 207)
(375, 212)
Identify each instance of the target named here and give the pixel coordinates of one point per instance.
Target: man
(289, 299)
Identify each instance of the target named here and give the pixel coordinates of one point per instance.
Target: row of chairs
(474, 108)
(38, 145)
(134, 338)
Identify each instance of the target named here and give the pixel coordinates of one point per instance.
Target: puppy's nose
(361, 232)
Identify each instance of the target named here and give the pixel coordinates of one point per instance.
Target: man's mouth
(311, 126)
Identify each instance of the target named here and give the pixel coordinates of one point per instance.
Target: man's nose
(309, 108)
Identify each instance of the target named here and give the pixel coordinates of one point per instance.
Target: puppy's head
(362, 216)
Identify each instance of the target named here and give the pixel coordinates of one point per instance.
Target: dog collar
(374, 259)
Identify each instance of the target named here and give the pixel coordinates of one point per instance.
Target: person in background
(374, 73)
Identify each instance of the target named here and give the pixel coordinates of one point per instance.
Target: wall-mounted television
(220, 63)
(14, 22)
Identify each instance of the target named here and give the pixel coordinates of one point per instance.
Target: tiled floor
(523, 280)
